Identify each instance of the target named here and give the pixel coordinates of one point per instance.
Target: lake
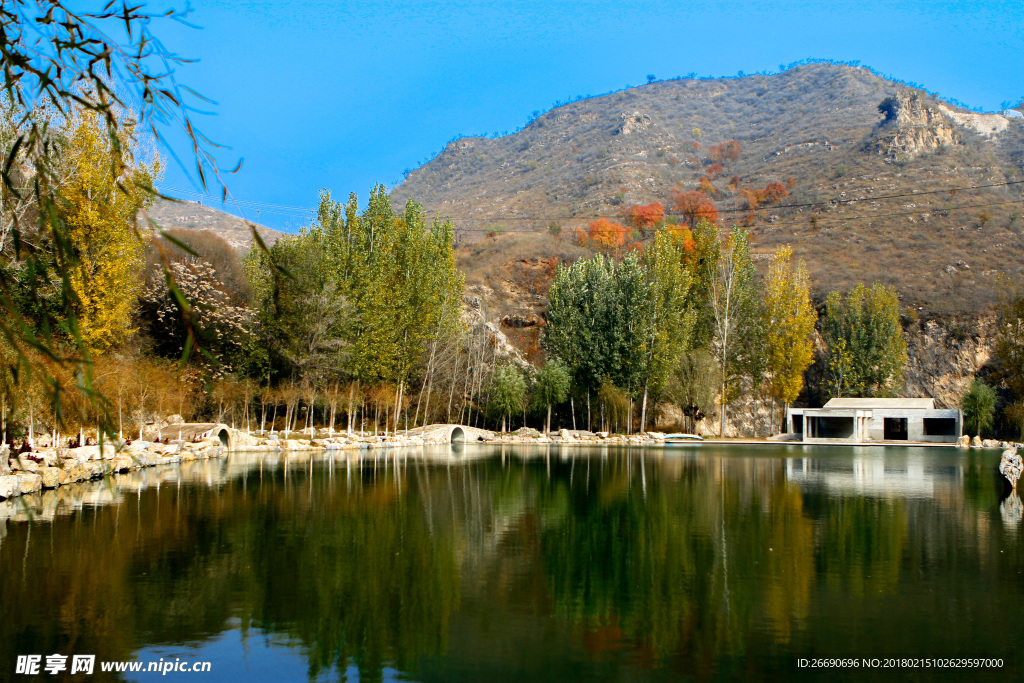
(706, 562)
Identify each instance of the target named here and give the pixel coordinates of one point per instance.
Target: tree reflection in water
(562, 564)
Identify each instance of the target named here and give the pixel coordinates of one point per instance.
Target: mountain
(195, 216)
(886, 182)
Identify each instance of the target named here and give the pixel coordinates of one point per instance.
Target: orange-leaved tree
(645, 217)
(607, 235)
(695, 206)
(775, 191)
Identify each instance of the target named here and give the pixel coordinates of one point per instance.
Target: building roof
(882, 403)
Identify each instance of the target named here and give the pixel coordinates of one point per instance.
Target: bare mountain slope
(817, 129)
(195, 216)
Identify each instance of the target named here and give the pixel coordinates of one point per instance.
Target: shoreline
(51, 468)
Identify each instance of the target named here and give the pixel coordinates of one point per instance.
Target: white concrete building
(864, 420)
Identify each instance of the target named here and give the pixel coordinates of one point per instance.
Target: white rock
(30, 483)
(26, 465)
(52, 477)
(10, 486)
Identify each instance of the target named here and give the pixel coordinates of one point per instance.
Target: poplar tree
(731, 300)
(98, 210)
(672, 316)
(552, 387)
(508, 391)
(789, 318)
(867, 349)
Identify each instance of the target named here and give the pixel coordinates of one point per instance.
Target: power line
(296, 211)
(822, 219)
(829, 202)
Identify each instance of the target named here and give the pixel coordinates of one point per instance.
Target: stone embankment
(49, 468)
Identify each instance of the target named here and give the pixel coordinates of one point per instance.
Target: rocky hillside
(195, 216)
(883, 180)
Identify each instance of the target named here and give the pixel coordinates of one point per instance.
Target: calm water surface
(502, 563)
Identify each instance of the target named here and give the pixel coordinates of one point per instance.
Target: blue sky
(343, 95)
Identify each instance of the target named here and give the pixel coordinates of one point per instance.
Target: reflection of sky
(259, 656)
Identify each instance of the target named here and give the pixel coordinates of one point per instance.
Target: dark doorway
(798, 424)
(940, 426)
(894, 429)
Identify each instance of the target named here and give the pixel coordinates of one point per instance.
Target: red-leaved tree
(694, 206)
(775, 191)
(646, 216)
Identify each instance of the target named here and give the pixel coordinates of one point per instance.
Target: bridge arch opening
(223, 436)
(458, 435)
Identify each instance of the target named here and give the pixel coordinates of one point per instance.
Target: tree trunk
(643, 411)
(547, 425)
(572, 406)
(351, 398)
(721, 425)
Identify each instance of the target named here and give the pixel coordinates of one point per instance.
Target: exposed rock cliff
(911, 127)
(943, 359)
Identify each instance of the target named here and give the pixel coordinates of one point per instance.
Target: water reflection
(510, 562)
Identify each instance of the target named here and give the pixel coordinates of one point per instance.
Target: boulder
(52, 477)
(963, 442)
(93, 469)
(10, 486)
(1010, 466)
(564, 435)
(84, 453)
(527, 432)
(976, 442)
(30, 483)
(121, 463)
(26, 465)
(990, 443)
(602, 435)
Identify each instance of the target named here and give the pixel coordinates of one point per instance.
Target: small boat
(682, 438)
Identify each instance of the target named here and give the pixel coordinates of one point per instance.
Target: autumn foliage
(706, 187)
(726, 152)
(775, 191)
(607, 235)
(646, 216)
(772, 193)
(695, 206)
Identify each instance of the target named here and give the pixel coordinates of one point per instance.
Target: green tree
(508, 392)
(864, 328)
(693, 385)
(731, 300)
(552, 387)
(368, 295)
(599, 323)
(673, 319)
(979, 406)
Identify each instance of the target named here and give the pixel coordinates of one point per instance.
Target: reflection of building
(913, 473)
(860, 420)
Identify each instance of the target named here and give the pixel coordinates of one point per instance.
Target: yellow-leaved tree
(789, 319)
(99, 202)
